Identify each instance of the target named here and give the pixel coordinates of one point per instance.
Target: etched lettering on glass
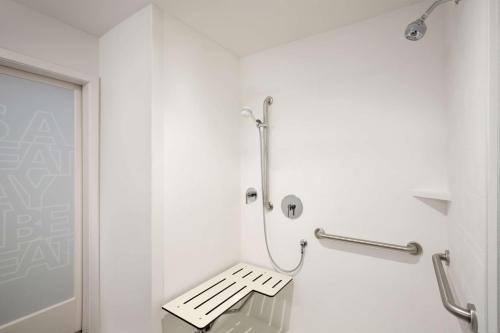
(36, 227)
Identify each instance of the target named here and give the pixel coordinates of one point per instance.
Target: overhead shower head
(416, 30)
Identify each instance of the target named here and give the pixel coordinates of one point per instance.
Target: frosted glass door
(40, 210)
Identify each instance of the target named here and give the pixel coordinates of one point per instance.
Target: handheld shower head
(246, 112)
(416, 30)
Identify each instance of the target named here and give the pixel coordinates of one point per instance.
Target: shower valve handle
(291, 208)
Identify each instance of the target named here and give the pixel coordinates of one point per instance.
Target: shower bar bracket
(412, 248)
(468, 314)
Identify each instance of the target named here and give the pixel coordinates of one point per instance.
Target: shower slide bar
(468, 314)
(412, 248)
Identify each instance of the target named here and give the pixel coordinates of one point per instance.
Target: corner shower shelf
(202, 305)
(432, 194)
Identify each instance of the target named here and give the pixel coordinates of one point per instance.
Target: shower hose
(303, 243)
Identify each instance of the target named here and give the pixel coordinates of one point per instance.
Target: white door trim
(493, 169)
(90, 193)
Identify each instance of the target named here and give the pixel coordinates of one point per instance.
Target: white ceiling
(93, 16)
(247, 26)
(242, 26)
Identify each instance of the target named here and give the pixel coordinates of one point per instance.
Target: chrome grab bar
(412, 248)
(468, 314)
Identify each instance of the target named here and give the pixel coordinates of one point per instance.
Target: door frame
(90, 172)
(493, 204)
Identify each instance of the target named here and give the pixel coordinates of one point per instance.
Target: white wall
(359, 120)
(28, 32)
(126, 67)
(468, 93)
(201, 89)
(62, 48)
(170, 166)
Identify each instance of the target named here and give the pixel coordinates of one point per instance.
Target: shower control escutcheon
(292, 207)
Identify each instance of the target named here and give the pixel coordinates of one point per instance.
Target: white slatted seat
(202, 305)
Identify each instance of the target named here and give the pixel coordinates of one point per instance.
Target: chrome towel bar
(412, 248)
(469, 314)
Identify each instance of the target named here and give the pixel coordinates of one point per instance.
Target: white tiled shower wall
(170, 155)
(359, 121)
(126, 63)
(467, 38)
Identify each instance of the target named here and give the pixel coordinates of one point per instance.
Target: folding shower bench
(201, 306)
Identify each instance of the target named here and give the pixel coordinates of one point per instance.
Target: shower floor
(241, 323)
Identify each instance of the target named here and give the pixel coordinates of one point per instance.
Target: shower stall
(362, 163)
(249, 166)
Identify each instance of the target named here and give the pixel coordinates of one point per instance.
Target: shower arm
(265, 151)
(433, 6)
